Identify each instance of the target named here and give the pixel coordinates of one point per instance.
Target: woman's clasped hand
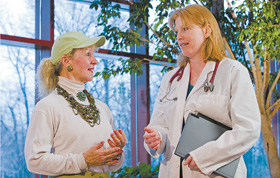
(96, 156)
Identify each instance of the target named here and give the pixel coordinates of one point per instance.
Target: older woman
(70, 132)
(208, 83)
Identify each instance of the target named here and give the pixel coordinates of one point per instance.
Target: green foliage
(127, 66)
(141, 171)
(258, 23)
(260, 27)
(254, 21)
(108, 10)
(123, 39)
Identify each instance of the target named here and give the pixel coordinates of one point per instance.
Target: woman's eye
(88, 54)
(185, 29)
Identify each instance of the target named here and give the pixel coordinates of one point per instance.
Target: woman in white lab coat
(232, 101)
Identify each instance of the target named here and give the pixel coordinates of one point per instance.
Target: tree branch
(252, 63)
(159, 63)
(142, 38)
(233, 15)
(254, 77)
(165, 42)
(258, 80)
(266, 74)
(228, 48)
(146, 40)
(271, 89)
(277, 106)
(264, 84)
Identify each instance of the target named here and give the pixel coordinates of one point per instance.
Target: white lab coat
(233, 103)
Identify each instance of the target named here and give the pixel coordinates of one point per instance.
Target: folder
(198, 130)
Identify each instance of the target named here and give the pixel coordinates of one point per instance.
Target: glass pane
(152, 17)
(256, 161)
(77, 16)
(115, 92)
(155, 80)
(17, 102)
(18, 17)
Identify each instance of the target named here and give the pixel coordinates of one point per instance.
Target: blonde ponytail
(47, 76)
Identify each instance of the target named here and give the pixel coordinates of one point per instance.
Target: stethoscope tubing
(178, 74)
(208, 86)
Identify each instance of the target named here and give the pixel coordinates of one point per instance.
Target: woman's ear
(64, 60)
(207, 30)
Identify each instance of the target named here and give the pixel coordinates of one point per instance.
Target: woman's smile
(183, 44)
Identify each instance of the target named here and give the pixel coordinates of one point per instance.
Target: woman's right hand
(152, 138)
(97, 157)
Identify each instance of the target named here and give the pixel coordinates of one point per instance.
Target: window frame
(140, 93)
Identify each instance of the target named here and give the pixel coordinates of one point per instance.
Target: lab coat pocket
(215, 107)
(170, 108)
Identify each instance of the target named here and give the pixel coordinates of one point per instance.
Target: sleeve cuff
(82, 162)
(203, 170)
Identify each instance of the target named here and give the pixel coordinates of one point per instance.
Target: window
(17, 85)
(27, 30)
(17, 103)
(115, 92)
(18, 18)
(155, 81)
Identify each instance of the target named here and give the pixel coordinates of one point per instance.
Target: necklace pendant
(81, 96)
(88, 113)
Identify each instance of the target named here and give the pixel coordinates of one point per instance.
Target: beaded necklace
(89, 113)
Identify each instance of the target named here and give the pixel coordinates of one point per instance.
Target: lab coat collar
(183, 85)
(182, 88)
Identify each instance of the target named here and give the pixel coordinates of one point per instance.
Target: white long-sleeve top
(233, 103)
(57, 138)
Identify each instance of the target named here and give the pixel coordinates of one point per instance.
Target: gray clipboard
(198, 130)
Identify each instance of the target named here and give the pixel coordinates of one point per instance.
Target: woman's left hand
(118, 139)
(191, 163)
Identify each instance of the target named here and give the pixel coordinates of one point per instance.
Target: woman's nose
(179, 36)
(94, 60)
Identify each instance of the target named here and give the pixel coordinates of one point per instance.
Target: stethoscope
(207, 85)
(179, 73)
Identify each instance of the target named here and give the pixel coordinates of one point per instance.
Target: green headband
(71, 40)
